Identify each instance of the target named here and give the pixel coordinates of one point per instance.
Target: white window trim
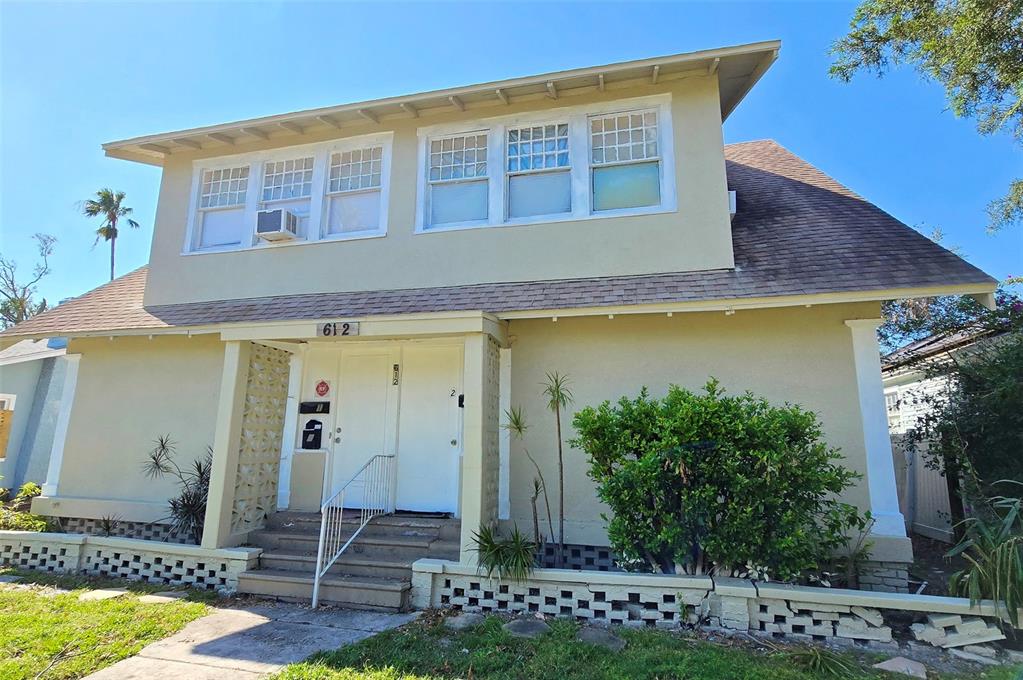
(579, 162)
(10, 399)
(320, 151)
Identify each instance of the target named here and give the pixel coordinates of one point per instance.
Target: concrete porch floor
(250, 641)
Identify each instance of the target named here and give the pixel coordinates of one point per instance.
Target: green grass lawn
(426, 650)
(56, 636)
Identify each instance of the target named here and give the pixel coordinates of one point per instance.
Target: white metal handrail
(376, 499)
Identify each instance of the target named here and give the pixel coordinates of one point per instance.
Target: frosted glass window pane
(545, 193)
(287, 179)
(223, 187)
(221, 227)
(354, 212)
(358, 169)
(623, 137)
(626, 186)
(458, 202)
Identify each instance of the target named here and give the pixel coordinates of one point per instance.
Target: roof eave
(153, 149)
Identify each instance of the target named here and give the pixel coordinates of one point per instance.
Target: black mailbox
(314, 407)
(312, 434)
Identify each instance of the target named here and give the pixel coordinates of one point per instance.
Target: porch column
(884, 497)
(230, 410)
(480, 459)
(51, 486)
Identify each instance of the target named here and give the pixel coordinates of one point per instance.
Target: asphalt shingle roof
(796, 231)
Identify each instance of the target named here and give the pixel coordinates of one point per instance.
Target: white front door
(366, 414)
(429, 428)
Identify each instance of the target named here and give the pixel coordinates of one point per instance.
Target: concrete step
(388, 548)
(384, 525)
(347, 565)
(380, 594)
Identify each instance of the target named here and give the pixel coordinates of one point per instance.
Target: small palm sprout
(558, 397)
(516, 425)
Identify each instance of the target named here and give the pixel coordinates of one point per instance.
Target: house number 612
(338, 328)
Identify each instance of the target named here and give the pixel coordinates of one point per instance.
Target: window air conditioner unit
(276, 225)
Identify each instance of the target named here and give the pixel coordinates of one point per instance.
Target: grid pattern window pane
(223, 187)
(288, 179)
(540, 147)
(623, 137)
(355, 170)
(461, 157)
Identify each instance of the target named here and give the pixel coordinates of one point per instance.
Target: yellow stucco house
(375, 283)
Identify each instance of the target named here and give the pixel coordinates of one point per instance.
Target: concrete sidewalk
(249, 642)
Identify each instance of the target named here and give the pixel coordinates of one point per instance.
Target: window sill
(354, 236)
(552, 219)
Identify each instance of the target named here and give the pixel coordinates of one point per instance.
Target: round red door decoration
(322, 388)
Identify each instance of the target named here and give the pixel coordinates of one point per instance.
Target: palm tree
(107, 205)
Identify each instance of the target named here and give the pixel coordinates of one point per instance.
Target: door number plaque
(330, 329)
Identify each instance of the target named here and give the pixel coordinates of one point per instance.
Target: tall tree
(107, 205)
(973, 48)
(17, 300)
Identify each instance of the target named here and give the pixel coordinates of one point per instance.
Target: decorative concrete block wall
(147, 531)
(667, 601)
(139, 560)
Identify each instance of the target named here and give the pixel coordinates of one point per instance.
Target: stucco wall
(698, 230)
(20, 380)
(801, 355)
(130, 391)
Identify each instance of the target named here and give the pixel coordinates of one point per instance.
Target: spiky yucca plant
(993, 549)
(188, 508)
(510, 558)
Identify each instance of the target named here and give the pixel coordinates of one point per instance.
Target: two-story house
(376, 283)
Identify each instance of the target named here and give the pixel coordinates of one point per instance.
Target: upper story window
(539, 173)
(459, 186)
(221, 217)
(336, 189)
(626, 169)
(595, 160)
(353, 190)
(288, 179)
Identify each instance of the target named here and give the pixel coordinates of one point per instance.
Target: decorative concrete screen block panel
(262, 427)
(138, 560)
(492, 427)
(600, 597)
(40, 551)
(146, 531)
(581, 557)
(668, 601)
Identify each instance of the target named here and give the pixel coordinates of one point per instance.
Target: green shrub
(15, 515)
(701, 483)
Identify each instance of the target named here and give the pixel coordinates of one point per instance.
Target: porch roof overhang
(738, 68)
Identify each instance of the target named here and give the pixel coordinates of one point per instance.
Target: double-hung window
(221, 217)
(625, 164)
(354, 190)
(539, 172)
(288, 184)
(459, 188)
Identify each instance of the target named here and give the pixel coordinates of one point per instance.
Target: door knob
(454, 442)
(337, 440)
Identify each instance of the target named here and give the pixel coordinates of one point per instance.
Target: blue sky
(74, 75)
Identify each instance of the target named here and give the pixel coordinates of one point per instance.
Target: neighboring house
(435, 255)
(31, 381)
(910, 388)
